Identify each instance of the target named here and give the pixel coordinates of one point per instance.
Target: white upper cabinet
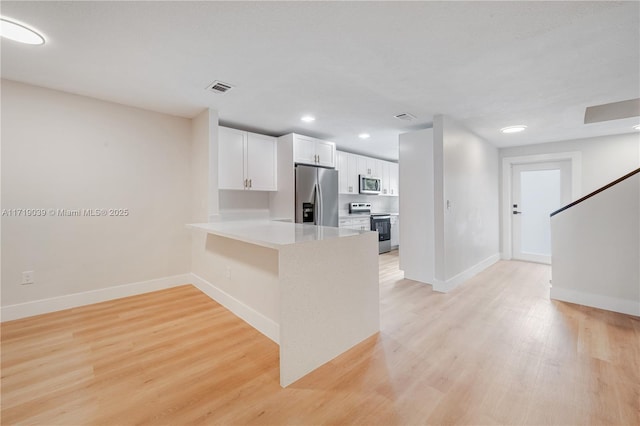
(351, 166)
(231, 172)
(246, 161)
(262, 162)
(384, 177)
(347, 173)
(316, 152)
(393, 179)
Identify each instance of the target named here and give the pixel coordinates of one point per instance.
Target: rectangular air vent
(219, 87)
(405, 116)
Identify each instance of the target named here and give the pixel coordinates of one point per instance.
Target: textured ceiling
(353, 65)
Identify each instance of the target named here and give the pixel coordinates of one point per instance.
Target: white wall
(417, 205)
(448, 204)
(471, 205)
(379, 203)
(596, 250)
(204, 173)
(604, 158)
(64, 151)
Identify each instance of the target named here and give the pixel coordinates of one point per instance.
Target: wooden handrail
(597, 191)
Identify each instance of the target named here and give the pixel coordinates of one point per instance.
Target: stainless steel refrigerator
(316, 196)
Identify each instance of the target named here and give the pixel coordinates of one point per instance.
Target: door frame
(575, 160)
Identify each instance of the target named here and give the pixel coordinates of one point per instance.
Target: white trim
(264, 325)
(451, 283)
(507, 162)
(59, 303)
(623, 306)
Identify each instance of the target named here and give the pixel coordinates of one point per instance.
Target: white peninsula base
(314, 290)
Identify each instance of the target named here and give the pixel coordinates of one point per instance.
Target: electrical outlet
(228, 272)
(28, 277)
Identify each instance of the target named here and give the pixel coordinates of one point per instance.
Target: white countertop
(273, 234)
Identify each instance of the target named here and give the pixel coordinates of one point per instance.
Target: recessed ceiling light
(513, 129)
(364, 135)
(636, 127)
(308, 118)
(19, 32)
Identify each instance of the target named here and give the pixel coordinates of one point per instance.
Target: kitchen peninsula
(311, 289)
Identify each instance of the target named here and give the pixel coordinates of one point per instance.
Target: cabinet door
(393, 179)
(362, 224)
(304, 150)
(362, 165)
(231, 158)
(326, 152)
(384, 176)
(352, 174)
(395, 231)
(261, 162)
(343, 172)
(373, 167)
(344, 223)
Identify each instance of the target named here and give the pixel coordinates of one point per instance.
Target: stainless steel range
(380, 222)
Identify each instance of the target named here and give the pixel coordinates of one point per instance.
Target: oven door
(382, 224)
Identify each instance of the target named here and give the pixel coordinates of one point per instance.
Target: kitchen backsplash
(379, 204)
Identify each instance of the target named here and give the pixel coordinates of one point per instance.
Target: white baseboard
(623, 306)
(451, 283)
(258, 321)
(59, 303)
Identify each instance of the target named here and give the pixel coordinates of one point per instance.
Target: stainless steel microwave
(369, 185)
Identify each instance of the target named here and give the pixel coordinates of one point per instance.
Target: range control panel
(364, 208)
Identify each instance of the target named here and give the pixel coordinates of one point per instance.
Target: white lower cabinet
(358, 224)
(246, 161)
(395, 231)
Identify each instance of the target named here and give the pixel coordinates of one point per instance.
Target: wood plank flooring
(494, 351)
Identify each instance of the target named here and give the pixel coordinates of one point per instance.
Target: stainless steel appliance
(316, 196)
(369, 185)
(382, 224)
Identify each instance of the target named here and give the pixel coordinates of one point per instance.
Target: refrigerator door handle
(316, 204)
(321, 207)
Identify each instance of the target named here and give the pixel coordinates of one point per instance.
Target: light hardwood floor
(494, 351)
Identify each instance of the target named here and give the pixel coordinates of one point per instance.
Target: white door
(537, 190)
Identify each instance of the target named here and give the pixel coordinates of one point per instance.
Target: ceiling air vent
(219, 87)
(405, 116)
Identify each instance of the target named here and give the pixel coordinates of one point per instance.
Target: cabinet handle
(245, 183)
(250, 184)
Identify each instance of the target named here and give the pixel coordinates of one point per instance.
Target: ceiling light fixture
(636, 127)
(308, 119)
(364, 135)
(19, 32)
(514, 129)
